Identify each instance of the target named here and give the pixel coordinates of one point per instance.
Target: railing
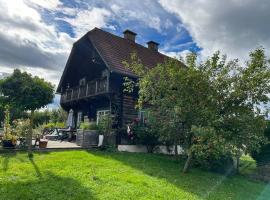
(92, 88)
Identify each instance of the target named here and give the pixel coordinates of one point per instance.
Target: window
(142, 115)
(82, 82)
(101, 113)
(79, 119)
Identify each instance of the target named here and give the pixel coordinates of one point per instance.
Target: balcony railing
(92, 88)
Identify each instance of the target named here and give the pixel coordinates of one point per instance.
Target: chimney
(153, 46)
(129, 35)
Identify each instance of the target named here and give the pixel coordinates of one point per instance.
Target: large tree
(28, 93)
(209, 105)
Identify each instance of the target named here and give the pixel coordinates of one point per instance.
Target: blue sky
(36, 35)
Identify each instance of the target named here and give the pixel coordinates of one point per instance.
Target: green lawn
(102, 175)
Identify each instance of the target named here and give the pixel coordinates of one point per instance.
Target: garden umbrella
(70, 120)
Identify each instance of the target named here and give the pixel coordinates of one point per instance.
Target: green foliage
(105, 125)
(52, 125)
(262, 155)
(22, 127)
(41, 117)
(218, 96)
(58, 115)
(89, 125)
(8, 132)
(145, 133)
(26, 92)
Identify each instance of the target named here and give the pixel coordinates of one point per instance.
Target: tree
(209, 105)
(27, 93)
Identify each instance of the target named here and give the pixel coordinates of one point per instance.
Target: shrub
(8, 132)
(222, 163)
(262, 156)
(49, 125)
(22, 127)
(88, 125)
(105, 125)
(144, 133)
(53, 125)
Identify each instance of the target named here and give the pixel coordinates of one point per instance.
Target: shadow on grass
(6, 158)
(35, 167)
(204, 184)
(50, 186)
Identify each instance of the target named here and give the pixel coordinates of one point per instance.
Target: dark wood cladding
(129, 111)
(92, 88)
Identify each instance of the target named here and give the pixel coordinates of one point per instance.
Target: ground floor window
(102, 113)
(142, 115)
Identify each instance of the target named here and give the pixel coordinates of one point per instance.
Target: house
(92, 81)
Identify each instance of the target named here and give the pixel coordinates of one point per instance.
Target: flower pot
(100, 140)
(8, 144)
(43, 144)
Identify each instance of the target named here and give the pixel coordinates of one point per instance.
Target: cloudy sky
(37, 35)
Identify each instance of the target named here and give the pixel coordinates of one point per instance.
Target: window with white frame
(102, 113)
(142, 116)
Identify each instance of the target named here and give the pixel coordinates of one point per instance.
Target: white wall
(142, 149)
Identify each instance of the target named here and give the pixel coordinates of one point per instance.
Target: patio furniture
(55, 135)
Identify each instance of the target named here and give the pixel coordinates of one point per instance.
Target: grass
(102, 175)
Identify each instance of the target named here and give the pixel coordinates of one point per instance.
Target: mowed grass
(70, 175)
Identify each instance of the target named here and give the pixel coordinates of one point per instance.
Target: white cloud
(177, 55)
(86, 20)
(234, 27)
(29, 43)
(47, 4)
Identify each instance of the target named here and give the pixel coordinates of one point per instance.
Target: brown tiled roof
(114, 50)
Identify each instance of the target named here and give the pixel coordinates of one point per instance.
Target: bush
(53, 125)
(145, 135)
(213, 158)
(89, 125)
(22, 127)
(262, 156)
(105, 125)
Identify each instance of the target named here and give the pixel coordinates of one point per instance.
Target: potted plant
(9, 139)
(87, 135)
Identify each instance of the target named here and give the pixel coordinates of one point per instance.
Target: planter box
(110, 139)
(87, 138)
(43, 144)
(7, 144)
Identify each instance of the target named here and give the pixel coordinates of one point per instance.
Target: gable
(83, 61)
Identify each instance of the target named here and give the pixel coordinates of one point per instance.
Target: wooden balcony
(92, 88)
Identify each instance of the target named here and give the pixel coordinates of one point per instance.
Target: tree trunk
(237, 162)
(30, 134)
(175, 151)
(188, 161)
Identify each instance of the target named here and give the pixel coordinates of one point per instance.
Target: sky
(37, 35)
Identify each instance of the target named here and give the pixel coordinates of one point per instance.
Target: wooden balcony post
(96, 86)
(71, 94)
(86, 90)
(107, 82)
